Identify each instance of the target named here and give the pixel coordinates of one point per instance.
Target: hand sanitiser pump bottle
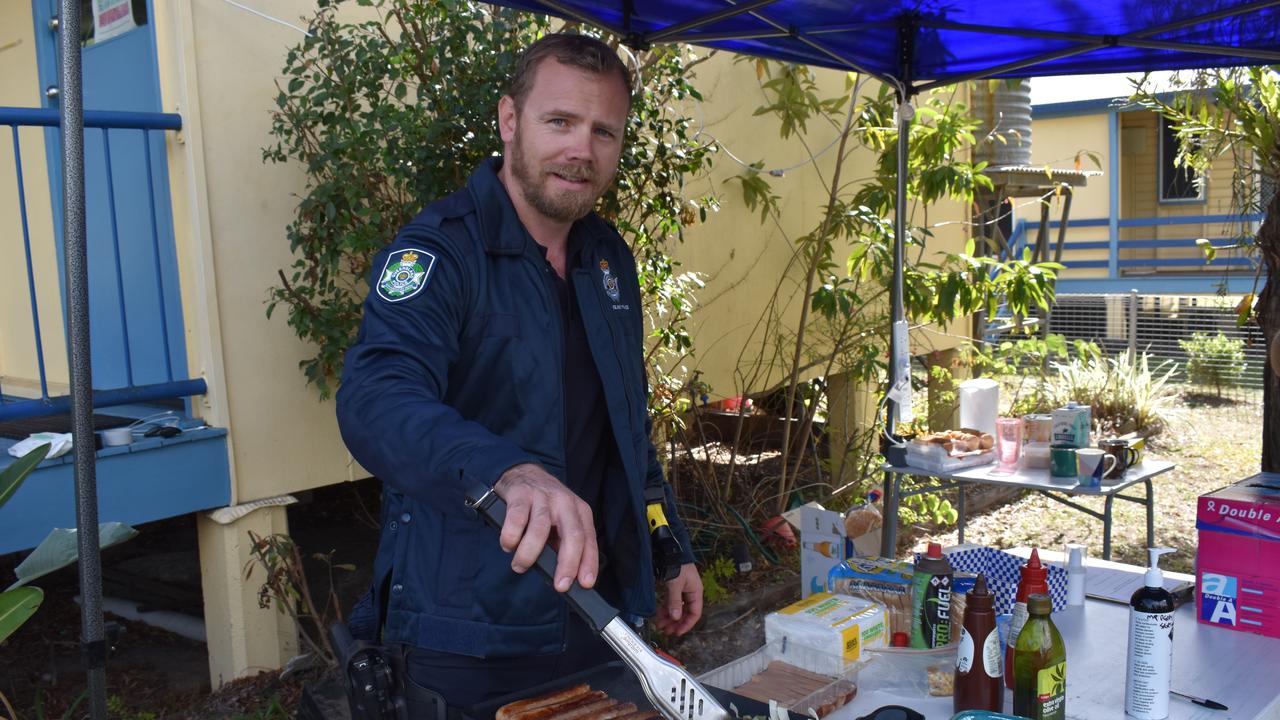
(1150, 662)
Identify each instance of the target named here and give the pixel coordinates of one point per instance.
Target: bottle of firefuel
(978, 685)
(1035, 579)
(1146, 687)
(931, 600)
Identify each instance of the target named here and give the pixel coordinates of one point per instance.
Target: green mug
(1062, 460)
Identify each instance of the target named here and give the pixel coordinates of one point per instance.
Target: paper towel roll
(979, 404)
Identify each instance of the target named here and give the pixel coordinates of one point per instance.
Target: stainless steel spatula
(670, 688)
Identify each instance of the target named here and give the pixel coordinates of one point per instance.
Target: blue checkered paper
(1003, 571)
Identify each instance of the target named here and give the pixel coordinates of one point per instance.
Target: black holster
(378, 688)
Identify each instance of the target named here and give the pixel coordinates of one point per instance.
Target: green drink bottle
(1040, 665)
(931, 600)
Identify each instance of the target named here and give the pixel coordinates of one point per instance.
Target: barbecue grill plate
(616, 679)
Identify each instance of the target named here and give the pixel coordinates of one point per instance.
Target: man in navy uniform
(502, 344)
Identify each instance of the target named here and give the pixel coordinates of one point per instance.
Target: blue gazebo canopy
(918, 45)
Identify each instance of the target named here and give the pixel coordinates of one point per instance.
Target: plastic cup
(1009, 441)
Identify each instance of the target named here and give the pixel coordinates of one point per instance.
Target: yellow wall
(742, 260)
(1139, 194)
(218, 68)
(19, 87)
(1056, 143)
(1057, 140)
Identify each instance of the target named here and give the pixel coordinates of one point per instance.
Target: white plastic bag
(59, 444)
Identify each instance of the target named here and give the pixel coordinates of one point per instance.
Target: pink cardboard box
(1238, 557)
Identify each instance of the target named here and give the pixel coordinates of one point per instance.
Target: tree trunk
(1268, 310)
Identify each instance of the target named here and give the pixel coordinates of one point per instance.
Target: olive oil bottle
(1040, 665)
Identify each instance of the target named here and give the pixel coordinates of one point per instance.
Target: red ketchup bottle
(1035, 579)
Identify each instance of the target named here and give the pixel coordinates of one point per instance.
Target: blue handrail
(1020, 238)
(31, 277)
(48, 117)
(107, 122)
(115, 245)
(104, 398)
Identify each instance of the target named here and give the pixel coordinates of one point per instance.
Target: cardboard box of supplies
(1238, 556)
(838, 625)
(828, 537)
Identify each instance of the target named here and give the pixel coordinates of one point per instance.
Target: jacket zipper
(557, 313)
(614, 344)
(559, 319)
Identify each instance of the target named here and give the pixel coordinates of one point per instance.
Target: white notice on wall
(112, 18)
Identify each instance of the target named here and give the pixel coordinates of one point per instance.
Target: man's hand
(538, 504)
(682, 607)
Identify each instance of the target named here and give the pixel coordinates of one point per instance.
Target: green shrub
(1214, 360)
(1125, 396)
(392, 107)
(713, 577)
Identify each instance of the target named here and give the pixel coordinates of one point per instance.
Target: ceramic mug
(1125, 456)
(1093, 464)
(1062, 461)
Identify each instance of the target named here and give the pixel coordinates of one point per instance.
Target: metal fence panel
(1159, 325)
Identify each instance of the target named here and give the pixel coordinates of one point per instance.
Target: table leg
(960, 502)
(1151, 520)
(889, 530)
(1106, 528)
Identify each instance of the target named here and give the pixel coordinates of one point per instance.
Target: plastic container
(935, 458)
(911, 672)
(842, 689)
(1150, 660)
(1035, 456)
(979, 404)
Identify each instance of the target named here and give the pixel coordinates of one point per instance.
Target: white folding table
(1240, 670)
(1037, 480)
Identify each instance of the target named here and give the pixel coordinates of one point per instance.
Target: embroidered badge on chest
(405, 274)
(610, 282)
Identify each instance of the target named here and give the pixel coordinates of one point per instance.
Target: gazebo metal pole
(889, 535)
(93, 644)
(905, 92)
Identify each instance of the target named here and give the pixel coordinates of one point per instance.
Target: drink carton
(1071, 425)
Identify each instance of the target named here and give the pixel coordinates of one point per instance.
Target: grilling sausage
(510, 711)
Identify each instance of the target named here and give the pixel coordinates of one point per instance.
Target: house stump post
(243, 637)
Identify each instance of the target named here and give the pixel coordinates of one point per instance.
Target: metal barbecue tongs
(670, 688)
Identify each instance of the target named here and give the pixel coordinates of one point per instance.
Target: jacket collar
(500, 227)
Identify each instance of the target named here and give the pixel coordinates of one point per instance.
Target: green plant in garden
(38, 711)
(18, 604)
(387, 114)
(926, 508)
(273, 710)
(58, 550)
(1025, 362)
(714, 575)
(1125, 395)
(120, 710)
(1235, 112)
(1215, 360)
(286, 584)
(844, 262)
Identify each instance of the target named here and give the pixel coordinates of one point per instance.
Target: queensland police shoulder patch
(405, 274)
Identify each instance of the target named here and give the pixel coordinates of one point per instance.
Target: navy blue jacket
(457, 376)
